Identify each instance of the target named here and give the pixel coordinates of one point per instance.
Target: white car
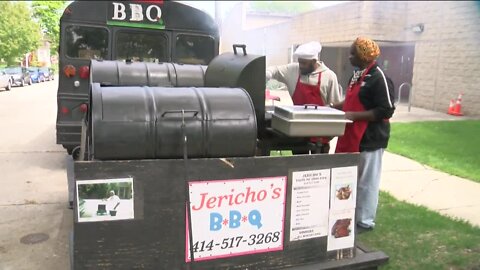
(5, 81)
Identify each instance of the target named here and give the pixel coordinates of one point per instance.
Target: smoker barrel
(116, 73)
(241, 70)
(145, 122)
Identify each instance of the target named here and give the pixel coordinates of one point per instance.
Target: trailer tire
(76, 153)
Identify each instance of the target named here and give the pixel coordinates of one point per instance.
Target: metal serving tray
(309, 121)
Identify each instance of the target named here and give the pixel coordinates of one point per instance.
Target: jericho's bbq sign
(236, 217)
(136, 14)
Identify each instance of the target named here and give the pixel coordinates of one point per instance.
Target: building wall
(257, 20)
(447, 54)
(270, 40)
(43, 55)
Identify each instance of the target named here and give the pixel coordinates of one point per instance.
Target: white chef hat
(309, 50)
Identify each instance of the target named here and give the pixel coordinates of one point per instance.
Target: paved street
(33, 189)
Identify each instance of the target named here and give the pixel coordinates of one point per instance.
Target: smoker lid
(314, 112)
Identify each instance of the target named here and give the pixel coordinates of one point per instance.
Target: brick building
(435, 46)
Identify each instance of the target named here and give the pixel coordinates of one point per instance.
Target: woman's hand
(360, 116)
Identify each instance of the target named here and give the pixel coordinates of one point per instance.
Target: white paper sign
(236, 217)
(105, 200)
(310, 204)
(341, 229)
(343, 194)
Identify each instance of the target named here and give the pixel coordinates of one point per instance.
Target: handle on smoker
(311, 105)
(243, 46)
(194, 113)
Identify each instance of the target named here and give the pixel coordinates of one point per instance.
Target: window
(13, 70)
(194, 49)
(86, 42)
(142, 46)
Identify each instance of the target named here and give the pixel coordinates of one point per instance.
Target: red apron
(350, 141)
(309, 94)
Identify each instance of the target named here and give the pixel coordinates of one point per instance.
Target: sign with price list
(236, 217)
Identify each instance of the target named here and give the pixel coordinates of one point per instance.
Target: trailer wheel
(76, 153)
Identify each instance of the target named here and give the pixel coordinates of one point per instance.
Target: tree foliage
(48, 14)
(19, 34)
(101, 191)
(287, 7)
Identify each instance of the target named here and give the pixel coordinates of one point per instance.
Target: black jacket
(377, 94)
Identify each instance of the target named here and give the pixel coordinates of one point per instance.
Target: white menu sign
(341, 229)
(310, 204)
(343, 188)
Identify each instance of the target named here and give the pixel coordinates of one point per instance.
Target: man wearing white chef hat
(309, 81)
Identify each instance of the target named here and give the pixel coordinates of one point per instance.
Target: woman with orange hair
(368, 103)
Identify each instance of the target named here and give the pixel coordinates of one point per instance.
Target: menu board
(310, 204)
(343, 197)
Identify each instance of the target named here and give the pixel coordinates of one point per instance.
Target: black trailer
(128, 31)
(180, 177)
(156, 236)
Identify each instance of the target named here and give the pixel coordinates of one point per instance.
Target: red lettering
(220, 198)
(202, 202)
(236, 198)
(276, 193)
(250, 193)
(261, 195)
(211, 202)
(230, 201)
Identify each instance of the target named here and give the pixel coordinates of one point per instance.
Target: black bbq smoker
(183, 134)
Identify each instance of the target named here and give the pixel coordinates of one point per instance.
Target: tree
(288, 7)
(19, 34)
(48, 14)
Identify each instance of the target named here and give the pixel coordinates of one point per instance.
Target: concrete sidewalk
(416, 183)
(418, 114)
(408, 180)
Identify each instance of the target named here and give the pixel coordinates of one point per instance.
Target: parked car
(5, 80)
(36, 75)
(52, 73)
(19, 76)
(47, 73)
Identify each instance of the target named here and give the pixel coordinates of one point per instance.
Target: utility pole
(218, 14)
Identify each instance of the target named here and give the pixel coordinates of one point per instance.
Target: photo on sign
(341, 233)
(343, 191)
(343, 188)
(104, 200)
(342, 228)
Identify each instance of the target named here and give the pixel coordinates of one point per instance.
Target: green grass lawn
(417, 238)
(449, 146)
